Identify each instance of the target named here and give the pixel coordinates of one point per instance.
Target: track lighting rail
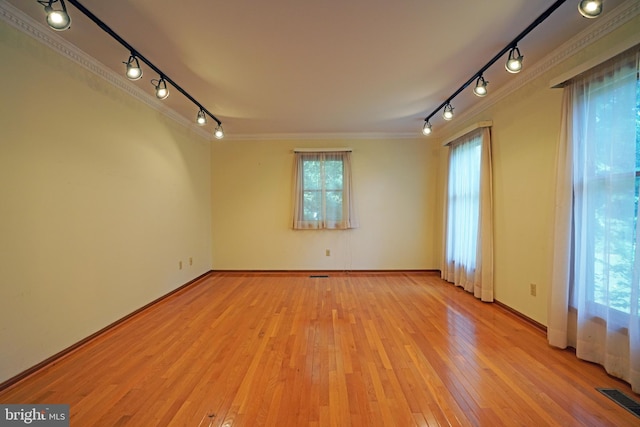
(138, 55)
(511, 45)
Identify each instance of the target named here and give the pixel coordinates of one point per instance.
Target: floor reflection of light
(458, 324)
(461, 342)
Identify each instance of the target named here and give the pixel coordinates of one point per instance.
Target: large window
(323, 196)
(606, 183)
(468, 248)
(463, 196)
(595, 288)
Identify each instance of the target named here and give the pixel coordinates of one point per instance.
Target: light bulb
(58, 20)
(481, 87)
(514, 66)
(590, 8)
(218, 133)
(201, 118)
(134, 72)
(161, 89)
(514, 62)
(448, 112)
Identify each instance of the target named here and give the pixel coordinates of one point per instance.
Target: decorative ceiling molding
(24, 23)
(320, 136)
(604, 25)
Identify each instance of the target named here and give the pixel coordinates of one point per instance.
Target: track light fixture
(161, 88)
(481, 87)
(201, 118)
(58, 20)
(219, 132)
(514, 62)
(426, 129)
(513, 65)
(447, 114)
(134, 72)
(590, 8)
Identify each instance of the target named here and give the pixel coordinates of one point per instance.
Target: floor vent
(319, 276)
(622, 399)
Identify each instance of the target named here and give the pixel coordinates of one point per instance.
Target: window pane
(334, 205)
(333, 174)
(312, 175)
(613, 228)
(312, 205)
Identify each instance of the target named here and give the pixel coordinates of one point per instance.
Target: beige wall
(525, 133)
(100, 198)
(395, 192)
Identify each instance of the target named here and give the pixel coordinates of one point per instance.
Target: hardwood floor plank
(394, 349)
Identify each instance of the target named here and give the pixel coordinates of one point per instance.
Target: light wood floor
(397, 349)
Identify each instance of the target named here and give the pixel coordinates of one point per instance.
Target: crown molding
(42, 33)
(604, 25)
(321, 136)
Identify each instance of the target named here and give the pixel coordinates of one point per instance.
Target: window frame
(326, 218)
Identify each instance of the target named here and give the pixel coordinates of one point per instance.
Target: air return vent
(622, 399)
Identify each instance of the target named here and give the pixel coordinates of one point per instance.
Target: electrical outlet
(180, 265)
(533, 289)
(328, 252)
(190, 260)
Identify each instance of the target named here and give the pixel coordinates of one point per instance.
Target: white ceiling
(319, 67)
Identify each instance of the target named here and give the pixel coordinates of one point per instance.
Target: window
(595, 286)
(606, 182)
(469, 228)
(323, 196)
(463, 197)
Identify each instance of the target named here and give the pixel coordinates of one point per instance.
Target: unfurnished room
(331, 213)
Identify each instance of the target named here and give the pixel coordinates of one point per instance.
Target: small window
(323, 191)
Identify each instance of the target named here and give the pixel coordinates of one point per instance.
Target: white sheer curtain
(468, 215)
(323, 191)
(595, 289)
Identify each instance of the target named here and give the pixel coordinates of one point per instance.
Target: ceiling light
(447, 114)
(590, 8)
(481, 87)
(59, 20)
(218, 133)
(134, 72)
(513, 65)
(426, 129)
(201, 118)
(161, 88)
(514, 62)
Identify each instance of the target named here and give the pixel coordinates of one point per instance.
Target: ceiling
(325, 67)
